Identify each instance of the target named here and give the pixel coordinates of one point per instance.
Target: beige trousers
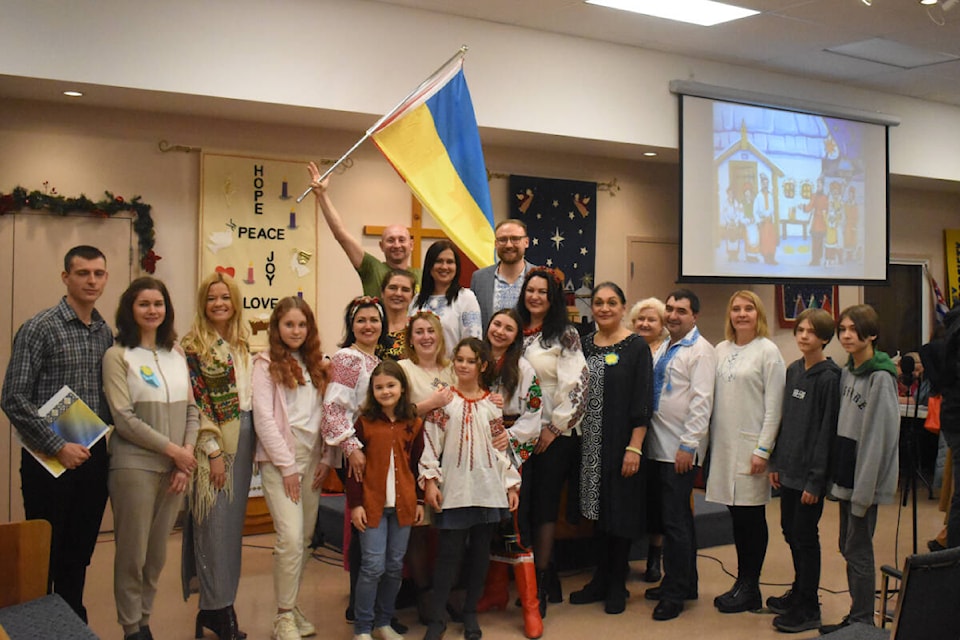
(294, 523)
(144, 513)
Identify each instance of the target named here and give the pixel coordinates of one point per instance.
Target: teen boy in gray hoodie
(800, 463)
(866, 456)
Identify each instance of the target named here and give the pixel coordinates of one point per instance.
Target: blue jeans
(381, 571)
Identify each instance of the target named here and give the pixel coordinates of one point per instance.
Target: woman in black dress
(619, 406)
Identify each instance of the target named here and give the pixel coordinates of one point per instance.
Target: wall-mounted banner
(252, 229)
(951, 239)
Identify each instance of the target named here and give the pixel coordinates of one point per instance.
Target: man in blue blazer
(498, 286)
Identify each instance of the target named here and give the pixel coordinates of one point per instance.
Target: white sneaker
(304, 626)
(285, 627)
(363, 636)
(386, 632)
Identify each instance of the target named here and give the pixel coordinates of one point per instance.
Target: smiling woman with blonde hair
(218, 357)
(747, 403)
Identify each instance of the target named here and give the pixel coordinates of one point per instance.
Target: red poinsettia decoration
(149, 261)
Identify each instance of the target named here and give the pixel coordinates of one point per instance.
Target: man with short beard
(498, 286)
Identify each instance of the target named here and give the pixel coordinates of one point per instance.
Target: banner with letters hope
(253, 229)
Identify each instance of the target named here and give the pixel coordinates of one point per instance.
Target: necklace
(532, 330)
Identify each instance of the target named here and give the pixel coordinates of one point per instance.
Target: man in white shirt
(676, 443)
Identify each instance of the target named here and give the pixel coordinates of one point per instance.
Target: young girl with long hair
(288, 384)
(514, 379)
(218, 358)
(387, 501)
(147, 387)
(468, 482)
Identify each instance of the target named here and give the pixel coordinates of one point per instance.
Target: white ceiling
(788, 36)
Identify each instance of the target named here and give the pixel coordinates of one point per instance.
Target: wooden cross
(417, 232)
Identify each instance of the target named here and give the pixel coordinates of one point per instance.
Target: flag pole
(459, 54)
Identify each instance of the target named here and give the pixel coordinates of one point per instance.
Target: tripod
(910, 462)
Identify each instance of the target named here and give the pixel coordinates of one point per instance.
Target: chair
(24, 561)
(928, 605)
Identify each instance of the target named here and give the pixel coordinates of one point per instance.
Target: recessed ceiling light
(73, 94)
(928, 1)
(650, 154)
(702, 12)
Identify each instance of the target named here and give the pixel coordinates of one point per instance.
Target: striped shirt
(52, 349)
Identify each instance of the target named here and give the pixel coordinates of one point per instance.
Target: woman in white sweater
(743, 429)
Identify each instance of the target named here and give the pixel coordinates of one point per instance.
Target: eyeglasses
(505, 240)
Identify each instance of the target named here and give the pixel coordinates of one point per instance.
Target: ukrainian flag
(432, 141)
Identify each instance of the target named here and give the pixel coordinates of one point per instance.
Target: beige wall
(80, 149)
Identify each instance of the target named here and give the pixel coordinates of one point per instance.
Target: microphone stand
(913, 455)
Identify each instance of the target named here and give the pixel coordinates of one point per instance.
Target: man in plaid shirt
(63, 345)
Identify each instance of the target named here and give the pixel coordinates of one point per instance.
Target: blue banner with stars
(561, 219)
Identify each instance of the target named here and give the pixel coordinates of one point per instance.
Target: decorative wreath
(20, 199)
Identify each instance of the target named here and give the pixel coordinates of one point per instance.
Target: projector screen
(771, 195)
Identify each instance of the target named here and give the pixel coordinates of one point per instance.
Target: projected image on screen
(789, 194)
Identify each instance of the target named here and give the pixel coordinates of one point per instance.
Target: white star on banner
(557, 238)
(576, 266)
(580, 231)
(556, 203)
(571, 215)
(536, 242)
(583, 251)
(539, 215)
(549, 262)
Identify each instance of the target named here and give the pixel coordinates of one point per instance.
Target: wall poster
(252, 228)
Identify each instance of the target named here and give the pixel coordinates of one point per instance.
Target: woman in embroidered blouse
(396, 294)
(350, 371)
(147, 386)
(552, 347)
(619, 407)
(218, 357)
(429, 372)
(648, 319)
(440, 292)
(288, 384)
(747, 402)
(429, 379)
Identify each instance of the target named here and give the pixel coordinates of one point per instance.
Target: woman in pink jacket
(288, 384)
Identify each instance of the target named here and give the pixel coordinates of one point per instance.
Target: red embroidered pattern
(346, 370)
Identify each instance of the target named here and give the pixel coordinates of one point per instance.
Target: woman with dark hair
(441, 293)
(147, 386)
(218, 357)
(619, 408)
(288, 384)
(396, 294)
(511, 376)
(350, 371)
(552, 347)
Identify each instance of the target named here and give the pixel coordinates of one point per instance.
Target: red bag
(932, 423)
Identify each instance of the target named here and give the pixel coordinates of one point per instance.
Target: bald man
(395, 242)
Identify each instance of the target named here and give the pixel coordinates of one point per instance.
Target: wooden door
(654, 270)
(33, 246)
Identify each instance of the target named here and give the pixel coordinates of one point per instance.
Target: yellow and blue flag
(433, 142)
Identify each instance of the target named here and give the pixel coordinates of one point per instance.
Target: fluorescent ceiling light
(73, 94)
(650, 154)
(702, 12)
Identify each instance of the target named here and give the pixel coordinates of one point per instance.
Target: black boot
(554, 589)
(542, 591)
(236, 625)
(653, 573)
(745, 598)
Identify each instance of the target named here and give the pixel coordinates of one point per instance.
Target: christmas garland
(20, 199)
